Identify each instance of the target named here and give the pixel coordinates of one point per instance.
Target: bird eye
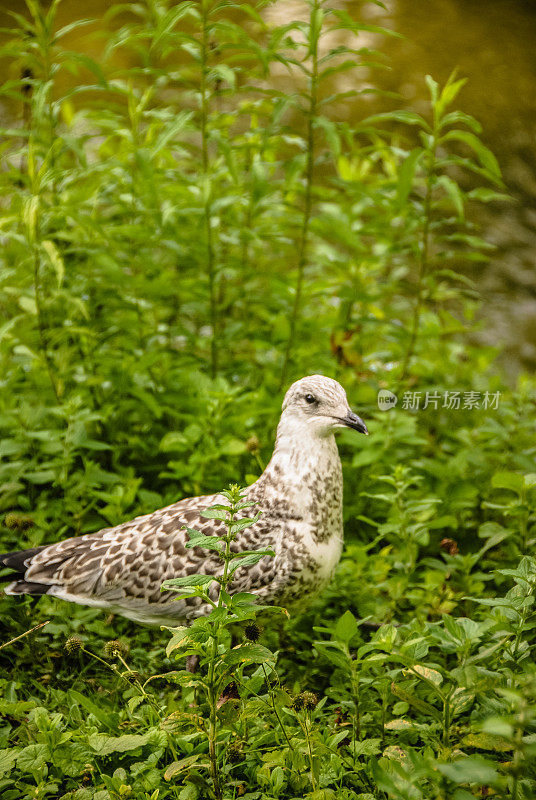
(310, 399)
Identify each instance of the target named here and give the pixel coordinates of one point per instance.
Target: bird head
(320, 405)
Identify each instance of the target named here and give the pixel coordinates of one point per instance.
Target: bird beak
(351, 420)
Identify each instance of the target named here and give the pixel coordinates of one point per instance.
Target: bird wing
(127, 562)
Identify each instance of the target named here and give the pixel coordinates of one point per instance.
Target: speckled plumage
(299, 496)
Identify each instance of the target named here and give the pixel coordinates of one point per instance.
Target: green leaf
(232, 447)
(406, 174)
(333, 654)
(33, 758)
(472, 770)
(176, 767)
(448, 94)
(454, 193)
(366, 747)
(416, 702)
(28, 304)
(529, 480)
(55, 259)
(197, 539)
(483, 153)
(7, 760)
(407, 117)
(248, 559)
(487, 741)
(345, 628)
(249, 654)
(508, 480)
(104, 745)
(427, 673)
(180, 638)
(215, 513)
(433, 88)
(98, 711)
(188, 580)
(245, 522)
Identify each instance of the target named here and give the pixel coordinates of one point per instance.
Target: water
(491, 42)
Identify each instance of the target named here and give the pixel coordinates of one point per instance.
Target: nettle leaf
(104, 745)
(248, 559)
(367, 747)
(33, 757)
(197, 539)
(404, 725)
(245, 522)
(345, 628)
(242, 599)
(415, 702)
(426, 672)
(249, 653)
(7, 760)
(216, 513)
(180, 638)
(188, 580)
(334, 655)
(508, 480)
(487, 741)
(177, 767)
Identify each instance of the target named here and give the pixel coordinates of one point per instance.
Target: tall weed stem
(315, 28)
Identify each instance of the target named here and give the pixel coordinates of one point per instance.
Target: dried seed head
(19, 522)
(234, 752)
(73, 645)
(115, 648)
(252, 632)
(252, 444)
(297, 703)
(309, 700)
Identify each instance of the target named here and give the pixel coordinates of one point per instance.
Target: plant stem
(41, 326)
(447, 717)
(306, 732)
(274, 708)
(213, 720)
(307, 207)
(424, 251)
(357, 706)
(22, 635)
(211, 680)
(207, 216)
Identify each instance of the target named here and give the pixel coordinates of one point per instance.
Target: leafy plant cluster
(187, 226)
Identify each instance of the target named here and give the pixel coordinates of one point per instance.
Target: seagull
(299, 497)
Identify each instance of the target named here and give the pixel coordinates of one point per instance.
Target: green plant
(209, 638)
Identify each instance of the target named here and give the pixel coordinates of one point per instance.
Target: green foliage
(188, 224)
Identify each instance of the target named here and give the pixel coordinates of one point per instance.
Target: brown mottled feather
(300, 499)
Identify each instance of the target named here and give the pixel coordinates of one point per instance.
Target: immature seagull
(299, 496)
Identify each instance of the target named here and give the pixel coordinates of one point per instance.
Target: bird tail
(19, 561)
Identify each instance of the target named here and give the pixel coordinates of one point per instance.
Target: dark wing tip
(25, 587)
(18, 559)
